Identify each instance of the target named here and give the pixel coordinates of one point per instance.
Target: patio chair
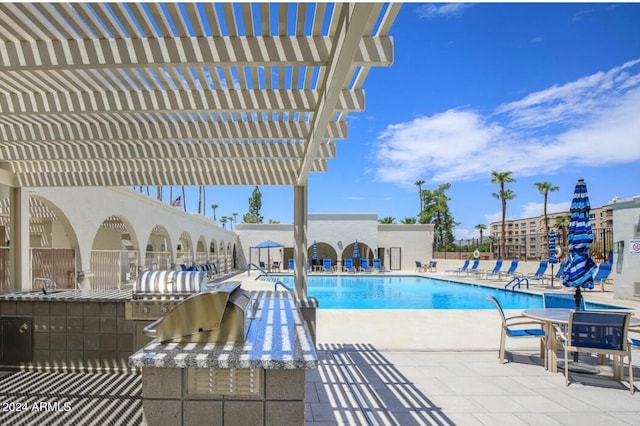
(601, 333)
(377, 265)
(364, 266)
(513, 327)
(348, 265)
(326, 264)
(419, 266)
(431, 266)
(561, 300)
(494, 271)
(602, 275)
(464, 267)
(291, 264)
(509, 272)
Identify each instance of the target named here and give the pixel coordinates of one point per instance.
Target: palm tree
(481, 227)
(504, 195)
(235, 219)
(562, 224)
(419, 184)
(545, 188)
(184, 199)
(214, 207)
(200, 189)
(387, 220)
(223, 220)
(408, 220)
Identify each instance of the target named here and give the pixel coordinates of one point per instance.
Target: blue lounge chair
(602, 333)
(602, 275)
(364, 266)
(464, 267)
(348, 265)
(511, 271)
(513, 327)
(291, 264)
(494, 271)
(377, 265)
(539, 275)
(473, 269)
(326, 264)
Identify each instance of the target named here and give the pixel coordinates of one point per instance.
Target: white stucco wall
(626, 265)
(340, 230)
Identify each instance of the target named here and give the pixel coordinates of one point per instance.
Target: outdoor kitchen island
(249, 370)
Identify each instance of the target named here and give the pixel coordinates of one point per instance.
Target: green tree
(408, 220)
(255, 204)
(436, 211)
(419, 184)
(544, 188)
(387, 220)
(503, 195)
(224, 220)
(481, 227)
(214, 207)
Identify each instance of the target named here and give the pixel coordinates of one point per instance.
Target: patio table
(559, 316)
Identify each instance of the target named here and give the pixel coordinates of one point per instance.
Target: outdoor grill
(156, 293)
(216, 315)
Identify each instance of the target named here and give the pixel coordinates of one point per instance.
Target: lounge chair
(509, 272)
(377, 265)
(561, 300)
(348, 266)
(473, 269)
(291, 264)
(513, 327)
(326, 264)
(598, 332)
(484, 272)
(539, 275)
(602, 275)
(364, 266)
(464, 267)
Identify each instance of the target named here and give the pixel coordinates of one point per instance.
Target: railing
(112, 269)
(256, 267)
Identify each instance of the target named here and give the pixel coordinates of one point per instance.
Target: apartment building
(526, 238)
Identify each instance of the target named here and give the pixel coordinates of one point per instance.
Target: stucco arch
(158, 251)
(325, 250)
(366, 251)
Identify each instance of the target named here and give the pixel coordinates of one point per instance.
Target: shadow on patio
(356, 384)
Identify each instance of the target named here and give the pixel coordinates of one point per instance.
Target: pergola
(127, 94)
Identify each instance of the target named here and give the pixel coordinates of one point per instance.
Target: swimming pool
(410, 292)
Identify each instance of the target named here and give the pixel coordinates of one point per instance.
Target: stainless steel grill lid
(217, 315)
(159, 283)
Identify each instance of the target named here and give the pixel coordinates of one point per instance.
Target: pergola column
(300, 240)
(19, 239)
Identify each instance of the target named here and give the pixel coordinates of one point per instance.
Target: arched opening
(158, 252)
(324, 251)
(114, 254)
(364, 252)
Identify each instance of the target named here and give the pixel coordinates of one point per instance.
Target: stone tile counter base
(258, 381)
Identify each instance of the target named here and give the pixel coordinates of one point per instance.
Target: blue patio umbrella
(356, 251)
(580, 267)
(553, 254)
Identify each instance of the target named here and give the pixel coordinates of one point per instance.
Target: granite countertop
(277, 338)
(70, 296)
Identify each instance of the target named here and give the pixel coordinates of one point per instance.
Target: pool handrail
(256, 267)
(275, 287)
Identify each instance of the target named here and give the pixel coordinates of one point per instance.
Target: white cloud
(441, 9)
(534, 209)
(546, 131)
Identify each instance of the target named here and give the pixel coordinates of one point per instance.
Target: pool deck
(441, 367)
(388, 367)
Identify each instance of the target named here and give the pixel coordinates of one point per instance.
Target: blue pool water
(410, 292)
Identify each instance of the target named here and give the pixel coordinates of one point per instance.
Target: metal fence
(56, 264)
(113, 269)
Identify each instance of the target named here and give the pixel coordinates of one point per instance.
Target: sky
(550, 92)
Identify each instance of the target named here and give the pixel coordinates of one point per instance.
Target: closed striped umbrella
(553, 254)
(314, 254)
(580, 267)
(356, 250)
